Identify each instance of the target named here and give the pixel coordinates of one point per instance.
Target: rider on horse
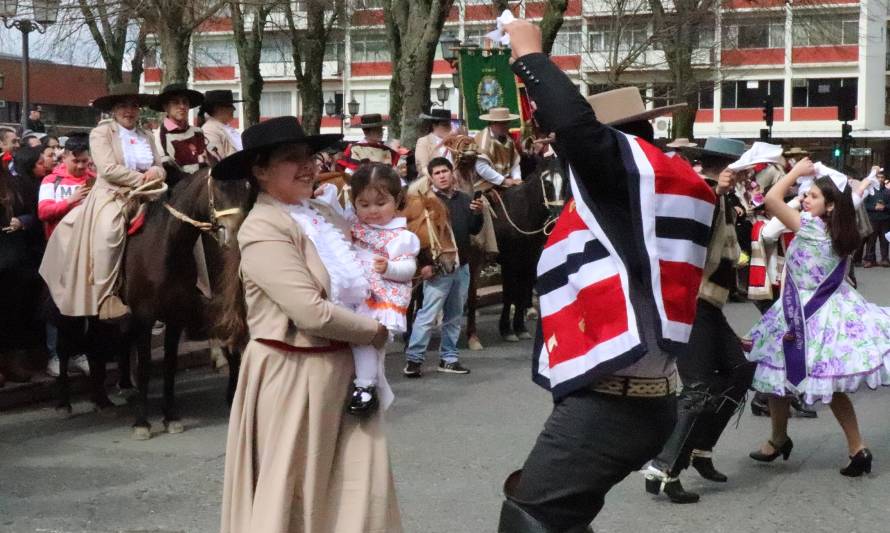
(431, 145)
(83, 255)
(370, 150)
(181, 142)
(498, 161)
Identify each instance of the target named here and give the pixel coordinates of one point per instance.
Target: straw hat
(681, 142)
(730, 149)
(498, 114)
(795, 151)
(620, 106)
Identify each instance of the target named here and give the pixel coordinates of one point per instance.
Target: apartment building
(798, 53)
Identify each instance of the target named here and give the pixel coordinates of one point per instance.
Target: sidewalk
(192, 354)
(42, 388)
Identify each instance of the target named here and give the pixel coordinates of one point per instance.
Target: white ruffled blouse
(137, 150)
(348, 284)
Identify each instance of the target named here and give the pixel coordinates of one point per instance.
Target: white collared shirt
(136, 148)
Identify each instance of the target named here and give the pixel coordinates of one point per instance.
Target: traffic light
(768, 111)
(837, 152)
(846, 131)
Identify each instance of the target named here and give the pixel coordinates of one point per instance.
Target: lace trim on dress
(348, 284)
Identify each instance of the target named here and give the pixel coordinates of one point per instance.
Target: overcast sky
(78, 49)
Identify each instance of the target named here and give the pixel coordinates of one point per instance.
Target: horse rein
(547, 228)
(213, 227)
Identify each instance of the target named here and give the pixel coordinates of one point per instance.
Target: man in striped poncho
(618, 281)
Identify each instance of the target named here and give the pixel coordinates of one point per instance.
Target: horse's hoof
(510, 337)
(524, 335)
(174, 426)
(474, 344)
(531, 314)
(141, 433)
(64, 411)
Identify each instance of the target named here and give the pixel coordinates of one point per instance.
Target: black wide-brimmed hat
(223, 97)
(437, 115)
(371, 120)
(122, 92)
(177, 89)
(267, 136)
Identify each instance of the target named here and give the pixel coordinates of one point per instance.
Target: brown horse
(159, 283)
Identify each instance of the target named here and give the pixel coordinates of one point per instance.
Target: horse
(159, 274)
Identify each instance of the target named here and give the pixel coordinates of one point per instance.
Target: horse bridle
(435, 244)
(213, 227)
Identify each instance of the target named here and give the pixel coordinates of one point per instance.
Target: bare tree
(308, 47)
(413, 28)
(173, 22)
(250, 46)
(108, 22)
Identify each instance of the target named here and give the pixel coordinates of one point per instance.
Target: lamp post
(43, 14)
(451, 47)
(442, 94)
(330, 109)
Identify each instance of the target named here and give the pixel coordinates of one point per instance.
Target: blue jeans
(446, 293)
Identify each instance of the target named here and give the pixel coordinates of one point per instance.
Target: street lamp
(352, 106)
(449, 44)
(442, 94)
(330, 109)
(44, 13)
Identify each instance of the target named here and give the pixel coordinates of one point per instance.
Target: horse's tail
(230, 306)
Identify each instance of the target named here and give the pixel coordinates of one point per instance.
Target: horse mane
(415, 210)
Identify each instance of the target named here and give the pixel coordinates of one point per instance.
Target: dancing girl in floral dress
(821, 339)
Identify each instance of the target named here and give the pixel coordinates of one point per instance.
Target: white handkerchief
(839, 179)
(873, 183)
(498, 35)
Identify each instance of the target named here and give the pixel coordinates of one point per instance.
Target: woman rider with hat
(294, 461)
(84, 254)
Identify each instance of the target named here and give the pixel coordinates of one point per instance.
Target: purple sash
(794, 342)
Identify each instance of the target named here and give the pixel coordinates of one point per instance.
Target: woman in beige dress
(294, 461)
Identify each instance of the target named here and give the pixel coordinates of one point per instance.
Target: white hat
(759, 152)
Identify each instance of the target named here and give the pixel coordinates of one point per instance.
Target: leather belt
(283, 346)
(637, 387)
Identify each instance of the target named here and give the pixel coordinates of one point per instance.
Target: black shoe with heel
(859, 464)
(705, 467)
(784, 450)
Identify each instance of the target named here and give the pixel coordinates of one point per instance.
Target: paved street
(453, 439)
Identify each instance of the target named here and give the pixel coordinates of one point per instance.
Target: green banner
(486, 82)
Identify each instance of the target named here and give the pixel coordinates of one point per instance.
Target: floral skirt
(847, 344)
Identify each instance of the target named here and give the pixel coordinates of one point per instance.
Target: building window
(275, 104)
(755, 34)
(706, 96)
(215, 54)
(475, 35)
(750, 94)
(370, 47)
(629, 37)
(276, 49)
(567, 42)
(822, 92)
(372, 101)
(826, 31)
(151, 59)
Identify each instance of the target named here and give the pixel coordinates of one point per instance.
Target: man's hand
(725, 181)
(380, 263)
(79, 195)
(476, 206)
(509, 182)
(14, 225)
(525, 38)
(427, 272)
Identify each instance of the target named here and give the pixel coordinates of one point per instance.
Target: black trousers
(876, 239)
(715, 377)
(590, 442)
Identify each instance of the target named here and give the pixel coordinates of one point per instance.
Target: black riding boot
(515, 520)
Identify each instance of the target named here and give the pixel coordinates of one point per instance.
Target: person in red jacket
(68, 184)
(60, 192)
